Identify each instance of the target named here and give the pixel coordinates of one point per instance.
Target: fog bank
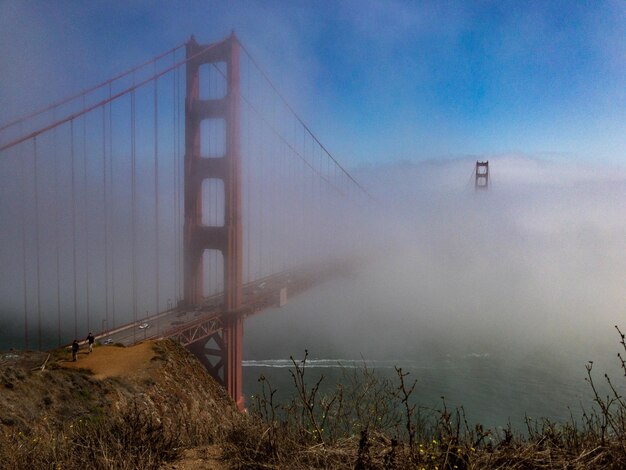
(532, 269)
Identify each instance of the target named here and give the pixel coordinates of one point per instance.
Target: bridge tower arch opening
(221, 353)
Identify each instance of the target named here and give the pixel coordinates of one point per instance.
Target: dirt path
(113, 361)
(134, 361)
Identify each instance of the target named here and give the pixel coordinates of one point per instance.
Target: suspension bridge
(172, 200)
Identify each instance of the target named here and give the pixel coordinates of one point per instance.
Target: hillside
(153, 406)
(134, 407)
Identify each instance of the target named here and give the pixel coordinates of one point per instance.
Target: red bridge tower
(221, 353)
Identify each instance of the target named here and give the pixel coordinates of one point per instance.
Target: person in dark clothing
(90, 340)
(74, 350)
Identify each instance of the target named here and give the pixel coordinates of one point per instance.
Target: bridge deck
(187, 325)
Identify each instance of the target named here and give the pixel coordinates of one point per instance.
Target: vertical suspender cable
(156, 186)
(73, 171)
(259, 195)
(294, 187)
(56, 234)
(105, 210)
(331, 235)
(305, 196)
(37, 240)
(274, 158)
(85, 218)
(286, 197)
(23, 227)
(320, 220)
(267, 145)
(301, 200)
(133, 209)
(283, 183)
(112, 203)
(311, 199)
(335, 217)
(248, 156)
(180, 188)
(175, 173)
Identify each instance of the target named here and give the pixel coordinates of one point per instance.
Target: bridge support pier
(233, 374)
(228, 237)
(221, 355)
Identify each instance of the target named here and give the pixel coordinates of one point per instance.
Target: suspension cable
(286, 103)
(294, 150)
(88, 90)
(87, 109)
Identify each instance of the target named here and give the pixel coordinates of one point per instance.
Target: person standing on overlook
(74, 350)
(90, 340)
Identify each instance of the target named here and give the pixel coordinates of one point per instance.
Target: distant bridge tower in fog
(481, 176)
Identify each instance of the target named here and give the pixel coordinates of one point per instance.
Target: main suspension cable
(105, 101)
(290, 108)
(85, 92)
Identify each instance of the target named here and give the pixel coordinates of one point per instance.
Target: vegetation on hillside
(59, 418)
(65, 418)
(374, 423)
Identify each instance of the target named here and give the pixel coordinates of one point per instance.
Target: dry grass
(129, 439)
(142, 418)
(147, 419)
(372, 423)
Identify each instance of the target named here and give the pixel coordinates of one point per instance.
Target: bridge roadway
(191, 324)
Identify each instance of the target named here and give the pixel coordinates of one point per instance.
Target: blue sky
(378, 81)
